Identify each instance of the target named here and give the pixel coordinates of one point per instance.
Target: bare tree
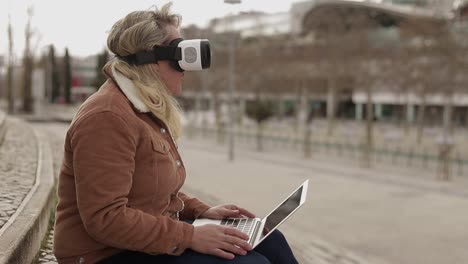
(28, 65)
(67, 77)
(10, 70)
(53, 74)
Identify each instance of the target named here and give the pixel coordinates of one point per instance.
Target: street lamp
(232, 49)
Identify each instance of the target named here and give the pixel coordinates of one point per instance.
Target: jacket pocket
(160, 146)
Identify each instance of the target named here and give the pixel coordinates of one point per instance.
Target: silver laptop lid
(284, 210)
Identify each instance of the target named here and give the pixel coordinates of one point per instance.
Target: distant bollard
(444, 162)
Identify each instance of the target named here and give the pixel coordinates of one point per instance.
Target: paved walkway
(383, 215)
(18, 162)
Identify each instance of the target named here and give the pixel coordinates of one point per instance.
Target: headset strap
(152, 56)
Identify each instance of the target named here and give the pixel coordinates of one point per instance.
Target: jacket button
(178, 163)
(163, 130)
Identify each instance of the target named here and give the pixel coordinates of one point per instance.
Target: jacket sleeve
(104, 162)
(193, 207)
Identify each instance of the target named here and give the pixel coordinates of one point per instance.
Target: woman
(119, 199)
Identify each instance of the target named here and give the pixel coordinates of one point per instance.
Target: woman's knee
(277, 236)
(252, 258)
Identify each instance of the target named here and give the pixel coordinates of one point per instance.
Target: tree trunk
(408, 106)
(447, 125)
(10, 90)
(369, 129)
(446, 140)
(421, 114)
(10, 71)
(241, 111)
(307, 141)
(218, 121)
(304, 108)
(281, 111)
(28, 67)
(27, 83)
(297, 120)
(68, 77)
(331, 105)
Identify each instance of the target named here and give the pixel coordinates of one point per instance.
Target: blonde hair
(138, 31)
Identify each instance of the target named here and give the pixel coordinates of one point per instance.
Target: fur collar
(129, 89)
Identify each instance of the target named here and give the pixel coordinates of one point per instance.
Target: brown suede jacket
(119, 181)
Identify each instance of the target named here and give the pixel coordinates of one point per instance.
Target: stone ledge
(21, 240)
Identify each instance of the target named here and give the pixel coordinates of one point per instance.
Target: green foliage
(102, 59)
(260, 110)
(67, 77)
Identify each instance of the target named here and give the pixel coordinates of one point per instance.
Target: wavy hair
(139, 31)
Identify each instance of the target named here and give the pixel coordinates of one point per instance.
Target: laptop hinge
(254, 234)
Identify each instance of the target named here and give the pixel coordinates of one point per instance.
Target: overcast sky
(82, 25)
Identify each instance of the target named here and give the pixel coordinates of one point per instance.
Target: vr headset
(183, 55)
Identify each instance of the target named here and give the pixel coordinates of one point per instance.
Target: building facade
(306, 19)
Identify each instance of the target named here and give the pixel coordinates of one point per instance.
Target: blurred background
(367, 99)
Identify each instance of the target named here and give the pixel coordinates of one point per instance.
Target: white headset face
(196, 54)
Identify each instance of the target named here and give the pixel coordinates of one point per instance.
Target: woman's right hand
(220, 241)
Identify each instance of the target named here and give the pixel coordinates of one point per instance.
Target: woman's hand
(219, 241)
(226, 211)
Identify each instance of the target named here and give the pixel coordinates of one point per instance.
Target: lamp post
(232, 49)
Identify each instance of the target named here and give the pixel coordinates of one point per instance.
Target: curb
(22, 235)
(3, 126)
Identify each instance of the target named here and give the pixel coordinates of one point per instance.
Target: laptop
(258, 229)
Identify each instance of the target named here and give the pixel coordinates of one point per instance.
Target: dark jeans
(273, 250)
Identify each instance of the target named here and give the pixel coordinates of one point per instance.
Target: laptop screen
(282, 212)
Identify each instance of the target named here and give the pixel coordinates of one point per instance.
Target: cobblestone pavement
(18, 162)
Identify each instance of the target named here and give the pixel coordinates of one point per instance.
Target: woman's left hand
(226, 211)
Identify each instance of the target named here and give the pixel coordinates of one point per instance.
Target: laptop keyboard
(245, 225)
